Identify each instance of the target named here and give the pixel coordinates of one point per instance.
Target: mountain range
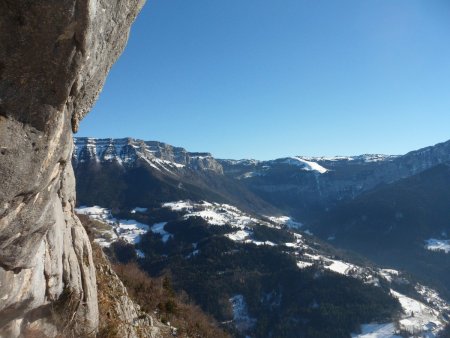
(382, 210)
(300, 185)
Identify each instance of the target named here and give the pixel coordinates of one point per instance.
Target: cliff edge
(54, 58)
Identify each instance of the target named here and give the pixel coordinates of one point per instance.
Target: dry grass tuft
(157, 295)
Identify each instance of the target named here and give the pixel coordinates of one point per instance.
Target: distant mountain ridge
(127, 172)
(387, 208)
(126, 150)
(304, 186)
(300, 186)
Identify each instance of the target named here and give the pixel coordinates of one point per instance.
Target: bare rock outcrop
(120, 316)
(54, 58)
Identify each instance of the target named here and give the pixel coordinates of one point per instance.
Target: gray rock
(54, 57)
(126, 151)
(118, 312)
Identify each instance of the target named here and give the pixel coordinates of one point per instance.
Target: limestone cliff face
(128, 151)
(54, 57)
(120, 316)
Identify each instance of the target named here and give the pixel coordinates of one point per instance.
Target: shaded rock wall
(54, 57)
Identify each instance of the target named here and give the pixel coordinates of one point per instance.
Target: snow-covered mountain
(252, 202)
(126, 172)
(304, 186)
(298, 185)
(127, 151)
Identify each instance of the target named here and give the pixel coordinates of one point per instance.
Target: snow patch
(418, 317)
(128, 230)
(241, 318)
(340, 267)
(158, 228)
(140, 253)
(138, 210)
(258, 243)
(211, 216)
(433, 244)
(178, 206)
(239, 235)
(306, 165)
(387, 330)
(94, 212)
(389, 274)
(162, 163)
(304, 265)
(251, 174)
(286, 221)
(215, 213)
(367, 158)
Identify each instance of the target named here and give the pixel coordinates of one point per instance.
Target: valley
(277, 225)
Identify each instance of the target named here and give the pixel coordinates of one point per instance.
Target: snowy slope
(305, 165)
(425, 315)
(225, 214)
(128, 230)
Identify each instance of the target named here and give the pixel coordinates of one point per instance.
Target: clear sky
(271, 78)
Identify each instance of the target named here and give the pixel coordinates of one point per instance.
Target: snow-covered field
(129, 230)
(214, 213)
(340, 267)
(225, 214)
(418, 320)
(418, 317)
(438, 245)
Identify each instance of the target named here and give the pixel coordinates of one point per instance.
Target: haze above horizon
(268, 79)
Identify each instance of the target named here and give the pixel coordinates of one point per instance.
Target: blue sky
(265, 79)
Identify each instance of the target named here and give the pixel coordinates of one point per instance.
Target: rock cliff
(305, 185)
(127, 151)
(54, 57)
(145, 173)
(120, 316)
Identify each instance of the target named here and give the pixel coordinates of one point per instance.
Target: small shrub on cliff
(157, 294)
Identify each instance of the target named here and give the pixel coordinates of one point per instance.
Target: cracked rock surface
(54, 58)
